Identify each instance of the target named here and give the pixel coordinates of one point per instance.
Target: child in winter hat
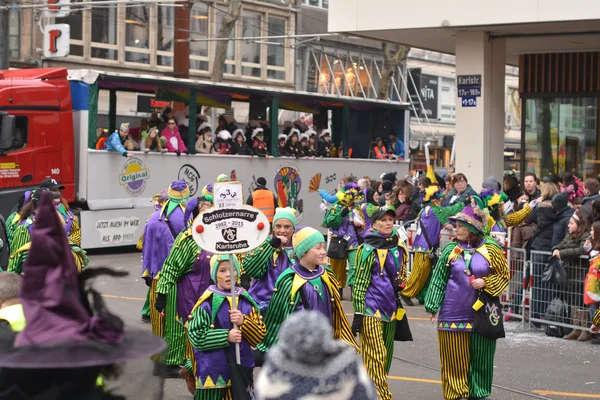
(307, 362)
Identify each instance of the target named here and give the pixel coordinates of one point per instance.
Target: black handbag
(337, 247)
(555, 271)
(488, 321)
(403, 333)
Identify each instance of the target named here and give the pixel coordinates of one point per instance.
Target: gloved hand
(161, 302)
(345, 211)
(357, 323)
(178, 153)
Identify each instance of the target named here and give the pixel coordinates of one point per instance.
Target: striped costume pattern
(179, 262)
(467, 358)
(339, 269)
(419, 275)
(377, 347)
(379, 325)
(282, 305)
(334, 219)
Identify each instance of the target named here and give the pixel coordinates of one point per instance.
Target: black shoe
(421, 302)
(595, 341)
(146, 319)
(341, 293)
(407, 301)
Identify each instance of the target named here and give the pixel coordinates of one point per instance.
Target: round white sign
(230, 230)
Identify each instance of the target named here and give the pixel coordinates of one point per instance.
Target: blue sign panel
(469, 101)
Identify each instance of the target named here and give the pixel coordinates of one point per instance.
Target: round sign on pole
(230, 230)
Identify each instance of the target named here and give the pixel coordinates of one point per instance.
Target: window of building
(317, 3)
(251, 50)
(230, 66)
(199, 30)
(276, 53)
(448, 100)
(165, 39)
(104, 33)
(75, 21)
(14, 34)
(137, 34)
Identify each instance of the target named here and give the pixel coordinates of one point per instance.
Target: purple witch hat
(470, 216)
(64, 329)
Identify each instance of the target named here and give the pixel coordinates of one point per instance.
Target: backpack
(557, 311)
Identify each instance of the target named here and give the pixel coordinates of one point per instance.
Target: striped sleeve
(596, 319)
(17, 258)
(278, 310)
(253, 329)
(256, 262)
(202, 336)
(75, 235)
(178, 263)
(498, 280)
(340, 323)
(516, 218)
(439, 280)
(443, 213)
(362, 279)
(404, 263)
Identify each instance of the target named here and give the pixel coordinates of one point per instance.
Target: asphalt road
(528, 364)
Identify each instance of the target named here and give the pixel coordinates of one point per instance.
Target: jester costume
(14, 219)
(380, 265)
(429, 225)
(340, 221)
(184, 277)
(498, 221)
(160, 232)
(266, 263)
(208, 327)
(21, 240)
(467, 358)
(300, 288)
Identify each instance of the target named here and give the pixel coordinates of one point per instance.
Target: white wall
(365, 15)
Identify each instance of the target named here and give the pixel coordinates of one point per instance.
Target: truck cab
(36, 139)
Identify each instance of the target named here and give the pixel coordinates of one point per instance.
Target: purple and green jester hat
(473, 218)
(68, 324)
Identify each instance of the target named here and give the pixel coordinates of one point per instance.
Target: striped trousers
(377, 347)
(418, 276)
(467, 364)
(339, 269)
(213, 394)
(175, 334)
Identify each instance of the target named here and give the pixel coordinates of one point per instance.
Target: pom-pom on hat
(224, 135)
(287, 213)
(305, 239)
(216, 260)
(178, 190)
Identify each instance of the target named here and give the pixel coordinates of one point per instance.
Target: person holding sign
(307, 285)
(215, 326)
(184, 277)
(380, 275)
(265, 264)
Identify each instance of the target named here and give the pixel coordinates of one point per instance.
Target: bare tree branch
(229, 20)
(390, 64)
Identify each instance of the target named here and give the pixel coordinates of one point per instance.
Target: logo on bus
(134, 176)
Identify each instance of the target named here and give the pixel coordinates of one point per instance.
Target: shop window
(561, 135)
(317, 3)
(165, 36)
(137, 34)
(14, 34)
(199, 30)
(104, 33)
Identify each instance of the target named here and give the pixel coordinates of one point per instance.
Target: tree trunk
(391, 59)
(229, 20)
